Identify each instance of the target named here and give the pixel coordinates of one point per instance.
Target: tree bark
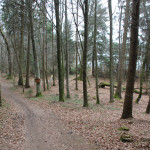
(84, 65)
(21, 48)
(127, 108)
(36, 65)
(67, 59)
(77, 47)
(111, 53)
(27, 84)
(123, 50)
(95, 52)
(9, 54)
(59, 58)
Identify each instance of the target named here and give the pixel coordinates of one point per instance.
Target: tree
(84, 64)
(95, 52)
(9, 54)
(36, 65)
(123, 50)
(59, 58)
(127, 108)
(111, 53)
(27, 84)
(21, 48)
(67, 59)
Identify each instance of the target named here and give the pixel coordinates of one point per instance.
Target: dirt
(50, 124)
(42, 128)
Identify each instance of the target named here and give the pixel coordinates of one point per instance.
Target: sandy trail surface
(43, 129)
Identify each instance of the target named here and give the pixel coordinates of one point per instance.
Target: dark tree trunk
(84, 65)
(111, 53)
(95, 52)
(53, 50)
(127, 108)
(59, 58)
(27, 84)
(67, 59)
(21, 48)
(36, 65)
(77, 48)
(9, 54)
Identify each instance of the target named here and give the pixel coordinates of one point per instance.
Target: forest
(75, 74)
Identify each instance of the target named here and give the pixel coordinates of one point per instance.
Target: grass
(123, 129)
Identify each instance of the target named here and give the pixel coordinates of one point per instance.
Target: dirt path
(43, 129)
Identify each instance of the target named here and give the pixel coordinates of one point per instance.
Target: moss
(116, 96)
(126, 137)
(39, 94)
(123, 129)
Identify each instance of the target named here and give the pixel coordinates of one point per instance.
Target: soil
(47, 124)
(42, 128)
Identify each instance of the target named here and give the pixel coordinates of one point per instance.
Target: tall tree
(77, 46)
(84, 64)
(9, 54)
(27, 84)
(36, 65)
(95, 52)
(127, 108)
(21, 48)
(123, 50)
(59, 58)
(111, 52)
(67, 57)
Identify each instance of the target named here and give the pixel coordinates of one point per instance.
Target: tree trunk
(53, 50)
(43, 52)
(84, 65)
(67, 59)
(123, 50)
(77, 47)
(9, 54)
(111, 53)
(95, 52)
(21, 48)
(141, 80)
(59, 58)
(27, 84)
(36, 65)
(127, 108)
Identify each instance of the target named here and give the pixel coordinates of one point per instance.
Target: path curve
(43, 129)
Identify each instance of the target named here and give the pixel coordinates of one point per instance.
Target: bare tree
(59, 58)
(127, 108)
(84, 65)
(111, 53)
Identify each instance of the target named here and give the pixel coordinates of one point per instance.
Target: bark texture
(127, 108)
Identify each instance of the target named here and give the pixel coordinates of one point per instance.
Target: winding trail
(42, 128)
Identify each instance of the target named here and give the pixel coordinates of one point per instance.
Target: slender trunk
(111, 53)
(123, 51)
(20, 81)
(120, 24)
(77, 48)
(67, 59)
(59, 58)
(9, 54)
(93, 64)
(141, 80)
(95, 52)
(27, 84)
(46, 68)
(53, 49)
(85, 103)
(127, 108)
(37, 69)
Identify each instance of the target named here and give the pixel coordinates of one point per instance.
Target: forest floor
(43, 123)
